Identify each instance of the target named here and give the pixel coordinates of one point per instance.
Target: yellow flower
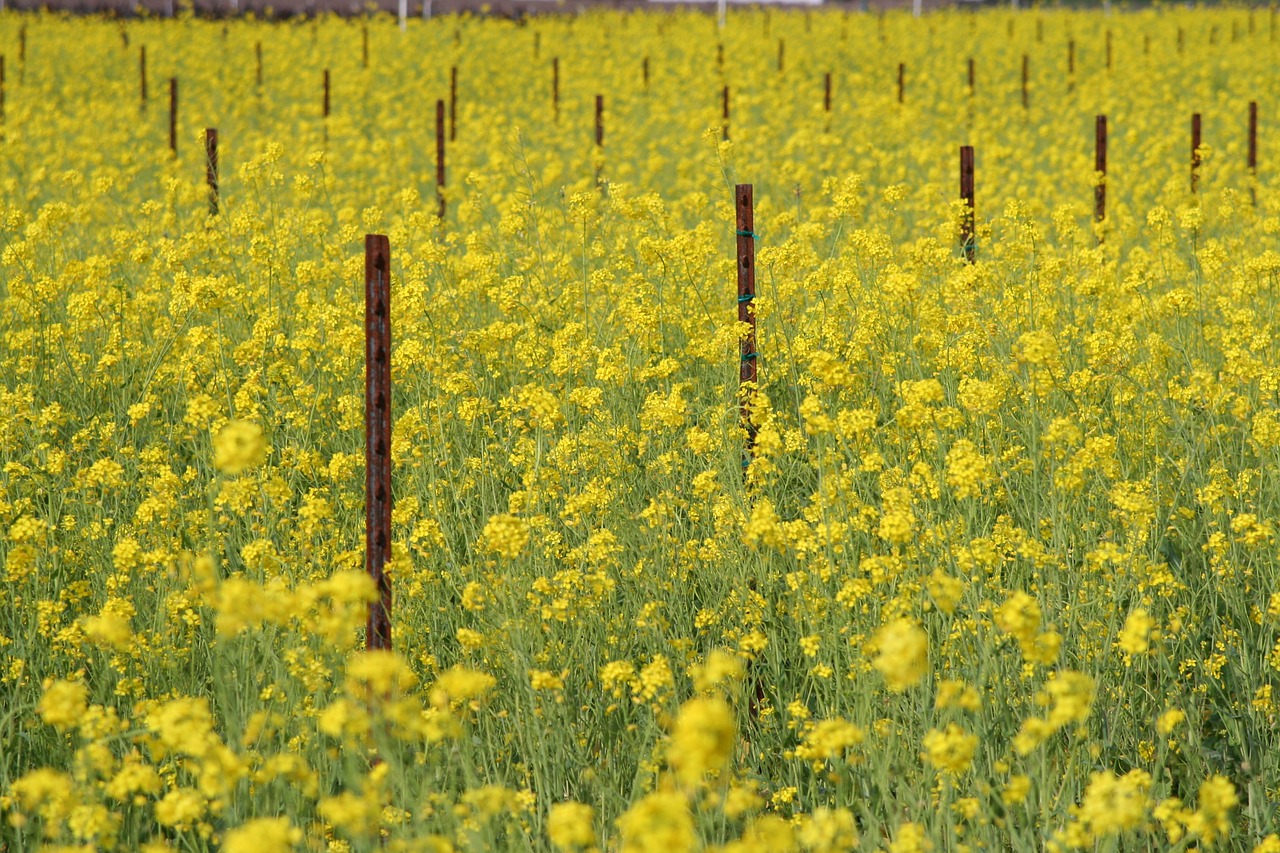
(658, 823)
(902, 654)
(180, 808)
(238, 447)
(262, 835)
(910, 838)
(951, 749)
(571, 825)
(505, 535)
(829, 739)
(1212, 817)
(1112, 805)
(1169, 720)
(828, 830)
(1133, 636)
(63, 703)
(703, 739)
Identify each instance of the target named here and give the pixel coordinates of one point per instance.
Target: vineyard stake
(1195, 153)
(22, 55)
(902, 81)
(971, 77)
(725, 112)
(440, 158)
(364, 46)
(257, 49)
(1100, 166)
(173, 115)
(1071, 65)
(211, 167)
(142, 74)
(599, 136)
(967, 240)
(826, 92)
(645, 72)
(747, 355)
(1, 87)
(377, 430)
(555, 86)
(326, 93)
(782, 48)
(1252, 156)
(1026, 74)
(453, 103)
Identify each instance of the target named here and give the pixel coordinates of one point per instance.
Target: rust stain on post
(967, 240)
(377, 423)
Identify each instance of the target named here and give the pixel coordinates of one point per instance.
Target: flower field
(997, 569)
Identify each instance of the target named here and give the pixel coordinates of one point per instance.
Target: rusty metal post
(211, 167)
(555, 86)
(782, 52)
(364, 46)
(645, 72)
(377, 428)
(972, 76)
(1071, 65)
(1108, 50)
(902, 81)
(257, 49)
(748, 356)
(826, 92)
(1, 87)
(1100, 166)
(453, 103)
(326, 93)
(1252, 154)
(1253, 134)
(173, 115)
(1026, 76)
(440, 157)
(1195, 152)
(599, 137)
(724, 110)
(967, 240)
(142, 74)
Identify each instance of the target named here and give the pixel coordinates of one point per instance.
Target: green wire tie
(747, 297)
(753, 235)
(747, 356)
